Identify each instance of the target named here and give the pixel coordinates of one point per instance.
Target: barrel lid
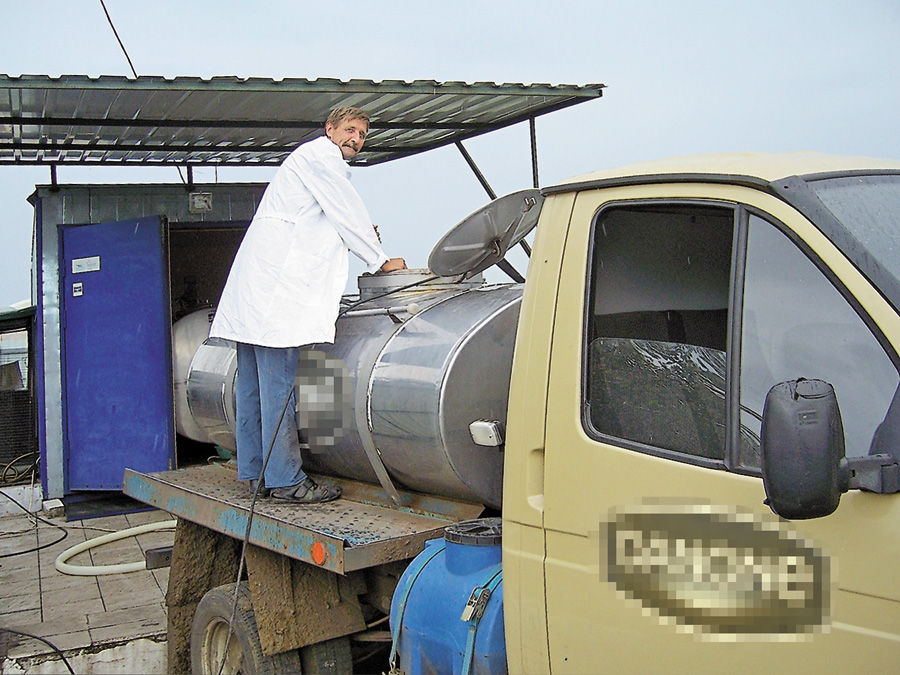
(483, 238)
(478, 532)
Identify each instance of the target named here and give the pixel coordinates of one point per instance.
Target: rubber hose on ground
(120, 568)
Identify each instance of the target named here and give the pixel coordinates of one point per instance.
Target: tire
(331, 657)
(209, 633)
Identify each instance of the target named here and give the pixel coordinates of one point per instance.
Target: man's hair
(338, 115)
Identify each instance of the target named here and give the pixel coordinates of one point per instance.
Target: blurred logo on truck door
(717, 572)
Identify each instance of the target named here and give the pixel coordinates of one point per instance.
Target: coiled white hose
(119, 568)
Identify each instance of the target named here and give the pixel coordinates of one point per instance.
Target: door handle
(534, 479)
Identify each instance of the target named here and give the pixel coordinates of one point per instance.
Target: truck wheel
(330, 656)
(209, 633)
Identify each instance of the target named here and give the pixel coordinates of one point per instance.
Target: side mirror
(802, 449)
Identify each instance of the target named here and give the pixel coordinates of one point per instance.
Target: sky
(683, 78)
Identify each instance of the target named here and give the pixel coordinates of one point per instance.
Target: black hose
(40, 639)
(37, 517)
(356, 304)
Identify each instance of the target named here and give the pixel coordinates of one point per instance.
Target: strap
(361, 405)
(489, 588)
(417, 566)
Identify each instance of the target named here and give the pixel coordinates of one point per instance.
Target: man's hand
(394, 264)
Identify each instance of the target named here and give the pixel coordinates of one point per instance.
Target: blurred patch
(322, 391)
(717, 573)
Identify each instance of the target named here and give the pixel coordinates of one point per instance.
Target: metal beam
(211, 496)
(19, 120)
(476, 170)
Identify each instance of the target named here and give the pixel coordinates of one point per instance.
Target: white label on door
(77, 290)
(91, 264)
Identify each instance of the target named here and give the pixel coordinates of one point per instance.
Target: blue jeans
(264, 380)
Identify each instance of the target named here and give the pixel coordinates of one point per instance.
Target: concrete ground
(103, 624)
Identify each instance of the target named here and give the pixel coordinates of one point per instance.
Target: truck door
(679, 313)
(116, 344)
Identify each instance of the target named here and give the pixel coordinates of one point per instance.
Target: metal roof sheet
(15, 319)
(236, 121)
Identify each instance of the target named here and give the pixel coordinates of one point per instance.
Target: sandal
(306, 491)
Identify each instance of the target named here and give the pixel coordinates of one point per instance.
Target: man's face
(349, 136)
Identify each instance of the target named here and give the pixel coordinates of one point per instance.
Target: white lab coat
(285, 285)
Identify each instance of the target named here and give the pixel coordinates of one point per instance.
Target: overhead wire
(116, 33)
(255, 495)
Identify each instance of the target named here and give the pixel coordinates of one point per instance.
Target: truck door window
(657, 327)
(796, 324)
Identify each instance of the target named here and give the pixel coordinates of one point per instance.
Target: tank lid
(478, 532)
(483, 238)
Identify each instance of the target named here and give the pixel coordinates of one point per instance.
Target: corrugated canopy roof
(235, 121)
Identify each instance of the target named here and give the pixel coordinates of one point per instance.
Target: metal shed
(113, 264)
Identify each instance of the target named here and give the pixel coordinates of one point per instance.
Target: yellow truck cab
(681, 432)
(702, 433)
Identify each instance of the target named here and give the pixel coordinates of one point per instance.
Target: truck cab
(664, 302)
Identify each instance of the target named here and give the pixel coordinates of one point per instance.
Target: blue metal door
(117, 357)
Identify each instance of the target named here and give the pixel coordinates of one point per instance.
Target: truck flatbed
(359, 530)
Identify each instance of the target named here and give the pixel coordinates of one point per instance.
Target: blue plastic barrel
(432, 636)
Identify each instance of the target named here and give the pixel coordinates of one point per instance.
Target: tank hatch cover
(483, 238)
(478, 532)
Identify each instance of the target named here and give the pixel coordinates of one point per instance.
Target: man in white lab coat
(284, 291)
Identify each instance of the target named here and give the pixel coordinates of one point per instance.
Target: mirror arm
(874, 473)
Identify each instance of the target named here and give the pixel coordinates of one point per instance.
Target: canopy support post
(476, 170)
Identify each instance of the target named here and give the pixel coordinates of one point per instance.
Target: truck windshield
(869, 208)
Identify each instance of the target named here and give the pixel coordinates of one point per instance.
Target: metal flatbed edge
(360, 530)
